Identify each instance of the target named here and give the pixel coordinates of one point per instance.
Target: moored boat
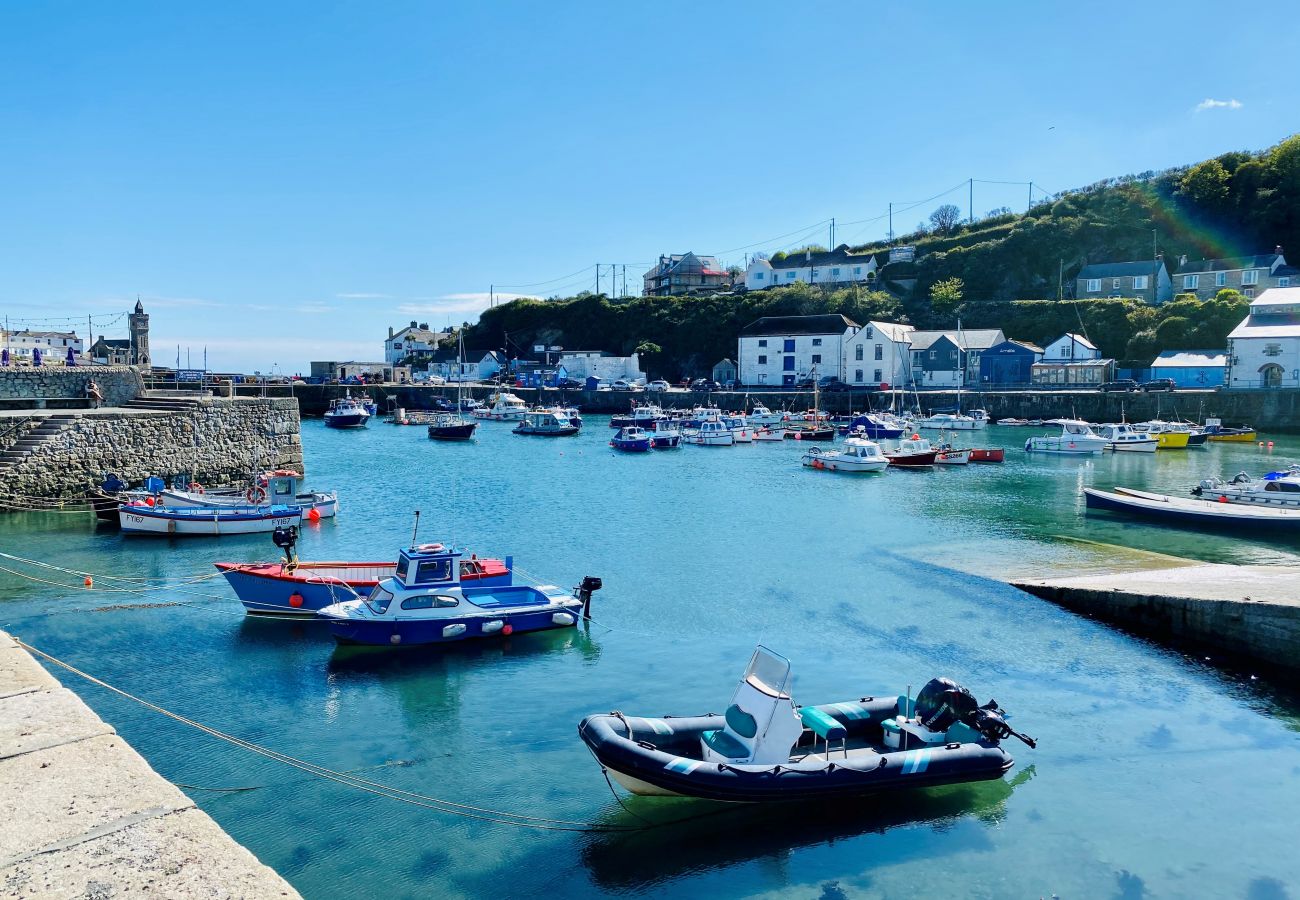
(425, 602)
(1122, 438)
(546, 423)
(947, 455)
(766, 748)
(631, 439)
(856, 455)
(768, 433)
(137, 517)
(951, 422)
(1191, 512)
(876, 427)
(914, 452)
(1280, 490)
(278, 488)
(346, 412)
(1217, 431)
(1076, 439)
(710, 433)
(987, 454)
(503, 407)
(665, 435)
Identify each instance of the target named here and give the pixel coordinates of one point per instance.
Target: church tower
(138, 324)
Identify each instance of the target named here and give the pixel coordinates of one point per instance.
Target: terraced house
(828, 267)
(1144, 279)
(1251, 275)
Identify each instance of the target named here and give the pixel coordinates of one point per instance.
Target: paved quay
(1248, 611)
(83, 815)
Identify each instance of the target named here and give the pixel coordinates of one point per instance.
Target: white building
(52, 344)
(490, 364)
(1264, 350)
(878, 353)
(413, 340)
(781, 350)
(1070, 347)
(828, 267)
(583, 364)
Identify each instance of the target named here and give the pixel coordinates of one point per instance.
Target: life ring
(285, 473)
(195, 487)
(255, 495)
(430, 548)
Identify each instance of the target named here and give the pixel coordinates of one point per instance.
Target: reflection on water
(866, 584)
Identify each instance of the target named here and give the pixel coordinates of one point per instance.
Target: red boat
(991, 455)
(914, 452)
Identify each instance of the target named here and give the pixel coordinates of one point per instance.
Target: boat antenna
(416, 529)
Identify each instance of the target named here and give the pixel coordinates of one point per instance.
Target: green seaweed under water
(1155, 774)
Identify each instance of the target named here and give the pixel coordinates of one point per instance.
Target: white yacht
(1076, 439)
(710, 433)
(1123, 438)
(952, 422)
(858, 455)
(761, 416)
(506, 407)
(1280, 490)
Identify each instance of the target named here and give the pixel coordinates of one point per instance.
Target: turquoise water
(1156, 775)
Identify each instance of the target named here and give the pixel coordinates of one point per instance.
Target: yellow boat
(1246, 437)
(1171, 440)
(1242, 434)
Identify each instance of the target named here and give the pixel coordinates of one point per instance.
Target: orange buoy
(1223, 499)
(508, 629)
(148, 501)
(313, 515)
(295, 599)
(88, 581)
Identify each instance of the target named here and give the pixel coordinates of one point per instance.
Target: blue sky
(282, 181)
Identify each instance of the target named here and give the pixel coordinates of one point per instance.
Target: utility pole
(832, 246)
(1060, 281)
(970, 202)
(1155, 253)
(597, 278)
(891, 222)
(1031, 197)
(492, 295)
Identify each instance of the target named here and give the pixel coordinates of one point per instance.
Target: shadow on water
(718, 837)
(356, 658)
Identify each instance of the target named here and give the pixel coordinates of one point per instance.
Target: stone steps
(163, 404)
(24, 446)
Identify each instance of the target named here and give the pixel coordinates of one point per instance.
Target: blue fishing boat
(138, 517)
(873, 427)
(347, 413)
(426, 602)
(631, 439)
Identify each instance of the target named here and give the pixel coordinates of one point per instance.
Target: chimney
(1182, 260)
(390, 332)
(412, 323)
(1278, 249)
(424, 326)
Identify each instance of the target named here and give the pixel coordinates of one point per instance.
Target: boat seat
(824, 727)
(726, 743)
(962, 733)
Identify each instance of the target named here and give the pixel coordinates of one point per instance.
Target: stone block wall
(119, 384)
(218, 442)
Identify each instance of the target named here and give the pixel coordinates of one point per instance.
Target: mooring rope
(465, 810)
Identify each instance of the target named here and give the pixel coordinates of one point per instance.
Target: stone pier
(1248, 611)
(83, 815)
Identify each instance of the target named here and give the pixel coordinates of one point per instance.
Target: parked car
(806, 383)
(705, 384)
(835, 386)
(1159, 384)
(658, 386)
(569, 384)
(623, 384)
(1125, 385)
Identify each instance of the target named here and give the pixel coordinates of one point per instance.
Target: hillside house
(685, 273)
(879, 353)
(111, 351)
(1146, 280)
(414, 341)
(781, 350)
(1251, 275)
(829, 267)
(1070, 348)
(1264, 350)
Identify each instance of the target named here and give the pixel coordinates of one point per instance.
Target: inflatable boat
(766, 748)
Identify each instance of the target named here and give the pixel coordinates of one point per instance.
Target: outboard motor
(286, 538)
(590, 584)
(943, 702)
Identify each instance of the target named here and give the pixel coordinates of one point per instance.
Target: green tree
(946, 295)
(1206, 185)
(945, 218)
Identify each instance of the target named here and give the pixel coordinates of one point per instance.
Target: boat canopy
(428, 565)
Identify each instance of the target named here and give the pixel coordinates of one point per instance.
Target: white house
(1264, 350)
(413, 340)
(828, 267)
(781, 350)
(878, 353)
(1070, 347)
(492, 362)
(52, 344)
(583, 364)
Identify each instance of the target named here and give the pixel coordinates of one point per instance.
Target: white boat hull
(837, 462)
(1081, 446)
(326, 505)
(209, 523)
(722, 439)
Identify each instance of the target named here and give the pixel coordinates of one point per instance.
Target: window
(835, 273)
(934, 354)
(1284, 281)
(762, 343)
(1191, 282)
(430, 601)
(789, 345)
(878, 377)
(787, 364)
(857, 270)
(1221, 278)
(857, 353)
(762, 359)
(857, 375)
(1094, 285)
(1140, 282)
(817, 358)
(880, 351)
(1114, 284)
(1249, 292)
(1250, 276)
(789, 276)
(379, 600)
(762, 378)
(758, 276)
(817, 342)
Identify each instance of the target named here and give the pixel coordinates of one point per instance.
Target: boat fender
(314, 515)
(455, 630)
(507, 629)
(295, 600)
(395, 639)
(255, 494)
(493, 627)
(1223, 499)
(196, 488)
(561, 618)
(171, 526)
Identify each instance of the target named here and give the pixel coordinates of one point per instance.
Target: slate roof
(975, 339)
(1120, 269)
(1079, 339)
(1258, 261)
(839, 256)
(834, 323)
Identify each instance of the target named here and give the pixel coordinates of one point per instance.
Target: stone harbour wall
(218, 442)
(119, 384)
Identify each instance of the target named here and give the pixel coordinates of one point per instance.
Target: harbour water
(1156, 774)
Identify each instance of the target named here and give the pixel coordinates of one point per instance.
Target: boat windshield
(768, 672)
(379, 599)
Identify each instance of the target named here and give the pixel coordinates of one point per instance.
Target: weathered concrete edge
(1251, 629)
(106, 855)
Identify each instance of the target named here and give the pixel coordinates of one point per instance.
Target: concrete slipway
(83, 815)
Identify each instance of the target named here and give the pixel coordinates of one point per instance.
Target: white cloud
(1210, 103)
(313, 308)
(362, 296)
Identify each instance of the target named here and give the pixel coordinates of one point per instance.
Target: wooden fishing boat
(914, 452)
(138, 517)
(1182, 510)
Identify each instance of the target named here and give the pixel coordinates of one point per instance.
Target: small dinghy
(765, 747)
(987, 454)
(425, 602)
